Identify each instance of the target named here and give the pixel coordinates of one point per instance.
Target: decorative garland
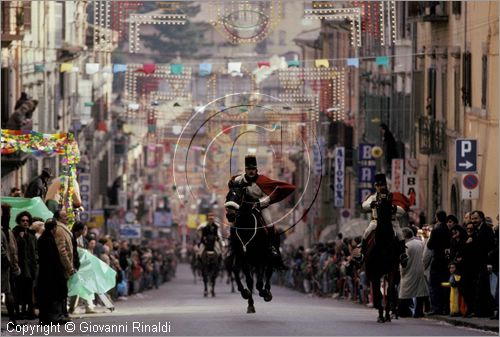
(37, 143)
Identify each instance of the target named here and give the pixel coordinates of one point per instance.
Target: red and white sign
(397, 175)
(470, 186)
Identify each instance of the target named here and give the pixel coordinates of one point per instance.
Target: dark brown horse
(249, 247)
(210, 262)
(382, 259)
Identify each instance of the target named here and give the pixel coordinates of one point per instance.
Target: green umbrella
(35, 206)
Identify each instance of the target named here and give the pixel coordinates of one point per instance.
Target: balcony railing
(431, 134)
(16, 19)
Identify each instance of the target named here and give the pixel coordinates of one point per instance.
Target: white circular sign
(130, 217)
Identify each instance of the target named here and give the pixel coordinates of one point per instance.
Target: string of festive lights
(136, 20)
(245, 21)
(353, 14)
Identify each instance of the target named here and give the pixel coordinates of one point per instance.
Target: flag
(353, 62)
(133, 106)
(234, 68)
(91, 68)
(293, 64)
(264, 64)
(321, 63)
(39, 68)
(147, 68)
(117, 68)
(382, 61)
(176, 69)
(66, 67)
(205, 69)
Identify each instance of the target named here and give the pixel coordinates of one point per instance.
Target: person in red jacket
(267, 192)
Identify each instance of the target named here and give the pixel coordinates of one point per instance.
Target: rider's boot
(363, 245)
(403, 258)
(274, 248)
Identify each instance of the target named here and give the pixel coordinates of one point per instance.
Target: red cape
(275, 189)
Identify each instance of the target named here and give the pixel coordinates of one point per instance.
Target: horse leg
(245, 293)
(377, 298)
(388, 300)
(260, 281)
(205, 281)
(249, 280)
(269, 273)
(214, 279)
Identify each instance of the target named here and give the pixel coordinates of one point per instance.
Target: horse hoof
(380, 320)
(387, 319)
(251, 309)
(246, 294)
(213, 294)
(205, 294)
(266, 294)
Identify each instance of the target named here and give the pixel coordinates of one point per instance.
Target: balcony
(431, 135)
(11, 162)
(428, 11)
(16, 19)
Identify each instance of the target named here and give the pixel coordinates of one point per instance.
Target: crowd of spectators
(38, 258)
(452, 268)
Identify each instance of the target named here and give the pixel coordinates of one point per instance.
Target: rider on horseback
(210, 235)
(370, 204)
(265, 191)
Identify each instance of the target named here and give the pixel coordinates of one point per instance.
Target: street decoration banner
(93, 277)
(35, 206)
(38, 143)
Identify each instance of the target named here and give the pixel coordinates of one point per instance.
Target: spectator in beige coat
(65, 246)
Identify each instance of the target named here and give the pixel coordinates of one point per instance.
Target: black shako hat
(250, 161)
(380, 179)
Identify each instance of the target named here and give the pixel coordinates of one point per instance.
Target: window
(456, 79)
(430, 104)
(456, 7)
(444, 93)
(467, 79)
(5, 96)
(484, 81)
(59, 25)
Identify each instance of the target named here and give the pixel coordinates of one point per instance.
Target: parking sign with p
(466, 155)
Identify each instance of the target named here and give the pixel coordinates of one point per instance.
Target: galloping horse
(210, 261)
(249, 242)
(382, 259)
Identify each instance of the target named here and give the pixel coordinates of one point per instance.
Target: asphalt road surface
(179, 308)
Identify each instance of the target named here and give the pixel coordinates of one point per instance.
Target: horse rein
(248, 242)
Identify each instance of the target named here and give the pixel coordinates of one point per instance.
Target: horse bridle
(244, 245)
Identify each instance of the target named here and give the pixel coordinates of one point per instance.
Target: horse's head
(234, 201)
